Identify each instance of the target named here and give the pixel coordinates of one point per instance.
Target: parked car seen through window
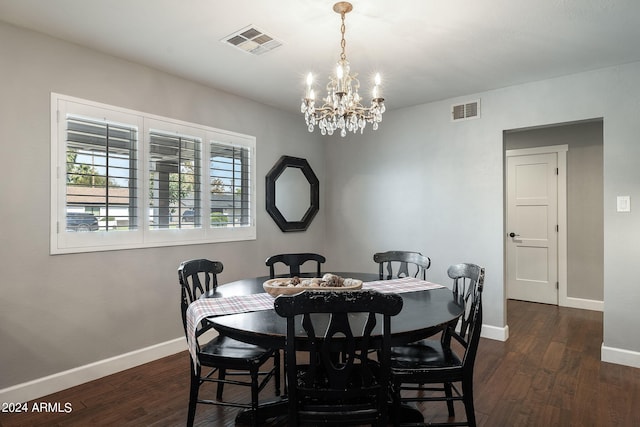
(79, 221)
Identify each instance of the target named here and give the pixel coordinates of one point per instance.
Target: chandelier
(342, 108)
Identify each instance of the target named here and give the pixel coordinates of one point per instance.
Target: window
(174, 182)
(101, 171)
(124, 179)
(229, 175)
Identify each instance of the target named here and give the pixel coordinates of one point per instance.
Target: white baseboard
(620, 356)
(495, 333)
(584, 304)
(62, 380)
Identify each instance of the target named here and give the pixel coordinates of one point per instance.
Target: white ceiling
(426, 50)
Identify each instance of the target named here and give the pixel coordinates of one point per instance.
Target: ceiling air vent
(468, 110)
(252, 40)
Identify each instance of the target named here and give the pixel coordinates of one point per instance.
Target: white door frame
(561, 151)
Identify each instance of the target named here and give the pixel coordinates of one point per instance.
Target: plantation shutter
(230, 179)
(174, 180)
(101, 172)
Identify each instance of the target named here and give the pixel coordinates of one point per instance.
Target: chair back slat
(333, 373)
(191, 275)
(468, 282)
(294, 261)
(409, 264)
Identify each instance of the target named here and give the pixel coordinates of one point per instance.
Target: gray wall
(421, 182)
(424, 183)
(64, 311)
(585, 231)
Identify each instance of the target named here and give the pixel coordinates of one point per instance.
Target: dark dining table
(424, 313)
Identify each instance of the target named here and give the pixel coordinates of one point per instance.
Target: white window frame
(63, 241)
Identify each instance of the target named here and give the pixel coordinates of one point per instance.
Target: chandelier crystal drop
(342, 108)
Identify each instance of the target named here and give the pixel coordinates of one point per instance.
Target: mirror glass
(292, 194)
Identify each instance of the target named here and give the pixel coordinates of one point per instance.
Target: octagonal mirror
(293, 193)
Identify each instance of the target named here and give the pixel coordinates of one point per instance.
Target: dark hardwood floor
(547, 374)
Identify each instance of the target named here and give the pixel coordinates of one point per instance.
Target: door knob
(512, 234)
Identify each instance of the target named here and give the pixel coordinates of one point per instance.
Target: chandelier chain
(343, 42)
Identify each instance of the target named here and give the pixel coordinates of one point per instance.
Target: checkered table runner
(202, 308)
(399, 286)
(211, 307)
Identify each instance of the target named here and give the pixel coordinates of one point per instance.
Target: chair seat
(353, 405)
(425, 354)
(233, 352)
(359, 381)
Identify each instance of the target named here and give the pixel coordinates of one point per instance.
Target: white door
(532, 221)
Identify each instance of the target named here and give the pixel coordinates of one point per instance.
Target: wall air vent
(468, 110)
(252, 40)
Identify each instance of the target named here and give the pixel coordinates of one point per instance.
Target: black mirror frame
(314, 191)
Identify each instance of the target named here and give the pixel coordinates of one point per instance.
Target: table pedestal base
(274, 408)
(276, 411)
(409, 415)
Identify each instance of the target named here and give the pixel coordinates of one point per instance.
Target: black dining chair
(222, 355)
(436, 365)
(294, 261)
(409, 264)
(333, 379)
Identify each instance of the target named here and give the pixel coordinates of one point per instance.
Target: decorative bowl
(283, 286)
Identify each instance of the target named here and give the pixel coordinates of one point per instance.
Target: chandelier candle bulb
(342, 108)
(309, 79)
(376, 89)
(309, 83)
